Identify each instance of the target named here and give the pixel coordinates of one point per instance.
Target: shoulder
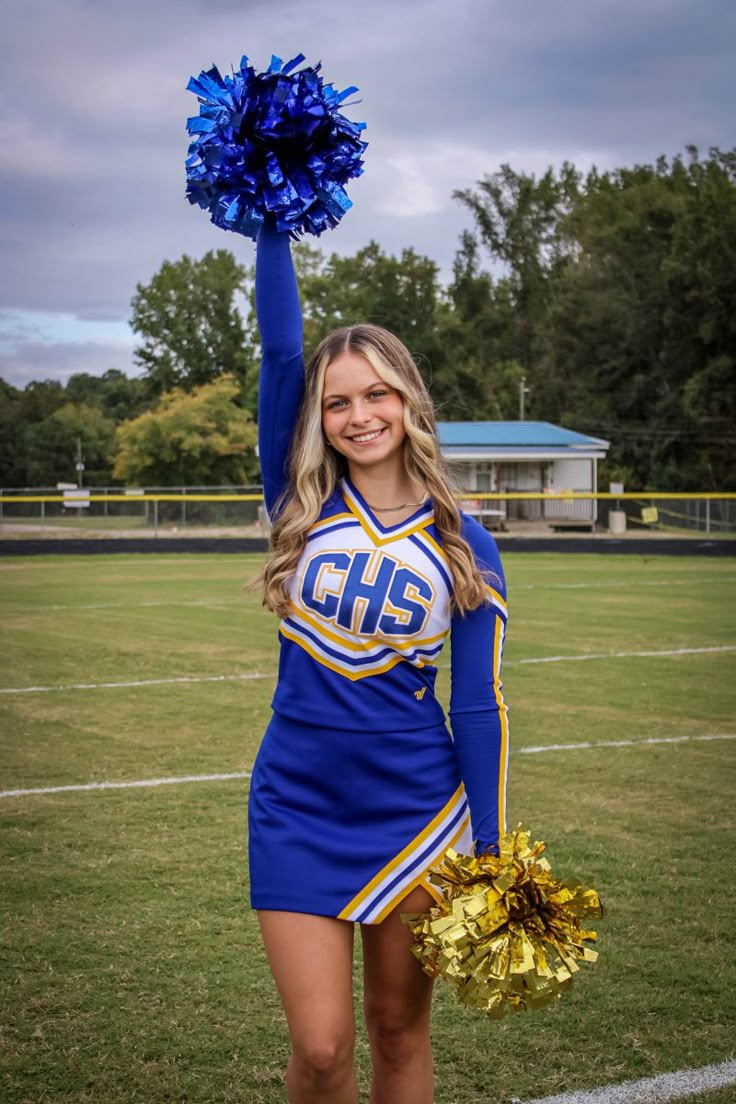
(479, 539)
(485, 550)
(333, 509)
(334, 504)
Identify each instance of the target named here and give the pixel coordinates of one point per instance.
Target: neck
(388, 492)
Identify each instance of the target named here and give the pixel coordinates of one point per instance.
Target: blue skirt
(347, 823)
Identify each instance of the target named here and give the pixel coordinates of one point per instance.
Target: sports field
(132, 969)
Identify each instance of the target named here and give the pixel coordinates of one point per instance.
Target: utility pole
(80, 463)
(523, 392)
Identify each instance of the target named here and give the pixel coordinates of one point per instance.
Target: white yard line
(217, 603)
(208, 603)
(651, 1090)
(139, 682)
(173, 780)
(144, 782)
(262, 675)
(625, 655)
(613, 586)
(587, 745)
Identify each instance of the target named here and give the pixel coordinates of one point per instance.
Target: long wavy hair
(315, 467)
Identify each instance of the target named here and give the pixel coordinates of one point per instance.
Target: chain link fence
(150, 511)
(239, 512)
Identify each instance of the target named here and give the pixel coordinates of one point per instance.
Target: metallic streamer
(507, 934)
(272, 144)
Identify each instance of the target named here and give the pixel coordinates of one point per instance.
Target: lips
(366, 438)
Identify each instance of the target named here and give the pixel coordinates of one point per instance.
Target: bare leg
(398, 999)
(311, 958)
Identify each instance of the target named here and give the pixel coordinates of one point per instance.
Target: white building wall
(525, 475)
(570, 475)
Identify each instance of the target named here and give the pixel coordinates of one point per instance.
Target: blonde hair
(315, 467)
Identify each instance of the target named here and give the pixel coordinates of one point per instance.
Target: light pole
(80, 463)
(523, 392)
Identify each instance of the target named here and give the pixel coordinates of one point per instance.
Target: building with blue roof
(528, 457)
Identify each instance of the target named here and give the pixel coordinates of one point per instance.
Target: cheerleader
(360, 786)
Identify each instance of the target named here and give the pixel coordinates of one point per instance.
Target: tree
(523, 222)
(619, 301)
(51, 447)
(20, 411)
(191, 326)
(479, 378)
(200, 438)
(117, 395)
(700, 326)
(12, 468)
(39, 399)
(400, 293)
(642, 327)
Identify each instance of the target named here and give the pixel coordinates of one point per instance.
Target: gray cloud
(93, 108)
(44, 361)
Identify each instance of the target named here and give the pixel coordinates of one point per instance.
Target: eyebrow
(341, 395)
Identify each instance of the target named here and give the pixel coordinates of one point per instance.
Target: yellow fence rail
(131, 499)
(465, 496)
(235, 511)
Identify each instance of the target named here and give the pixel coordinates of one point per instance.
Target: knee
(396, 1038)
(322, 1059)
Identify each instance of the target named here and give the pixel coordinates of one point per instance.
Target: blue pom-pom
(272, 144)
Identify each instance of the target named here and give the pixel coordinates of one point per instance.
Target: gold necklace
(394, 509)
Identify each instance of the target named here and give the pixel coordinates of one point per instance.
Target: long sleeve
(282, 364)
(478, 713)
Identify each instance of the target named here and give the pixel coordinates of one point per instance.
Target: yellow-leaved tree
(190, 438)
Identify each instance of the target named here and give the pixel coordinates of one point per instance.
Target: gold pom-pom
(507, 934)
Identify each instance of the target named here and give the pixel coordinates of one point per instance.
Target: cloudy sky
(93, 108)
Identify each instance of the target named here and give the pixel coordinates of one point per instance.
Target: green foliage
(19, 412)
(51, 446)
(400, 293)
(191, 328)
(479, 378)
(40, 398)
(116, 394)
(11, 464)
(202, 437)
(40, 426)
(621, 308)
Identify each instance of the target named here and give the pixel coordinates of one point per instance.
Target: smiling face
(362, 417)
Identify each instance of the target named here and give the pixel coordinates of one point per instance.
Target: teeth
(367, 436)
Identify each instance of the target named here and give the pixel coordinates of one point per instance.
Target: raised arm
(282, 365)
(478, 714)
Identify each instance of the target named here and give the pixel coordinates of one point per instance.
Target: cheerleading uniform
(358, 788)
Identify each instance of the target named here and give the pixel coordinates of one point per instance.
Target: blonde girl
(360, 786)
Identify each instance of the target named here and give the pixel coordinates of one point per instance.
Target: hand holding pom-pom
(272, 144)
(507, 934)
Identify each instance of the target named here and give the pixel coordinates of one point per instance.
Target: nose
(360, 414)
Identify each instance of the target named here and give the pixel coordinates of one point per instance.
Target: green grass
(84, 524)
(82, 519)
(132, 969)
